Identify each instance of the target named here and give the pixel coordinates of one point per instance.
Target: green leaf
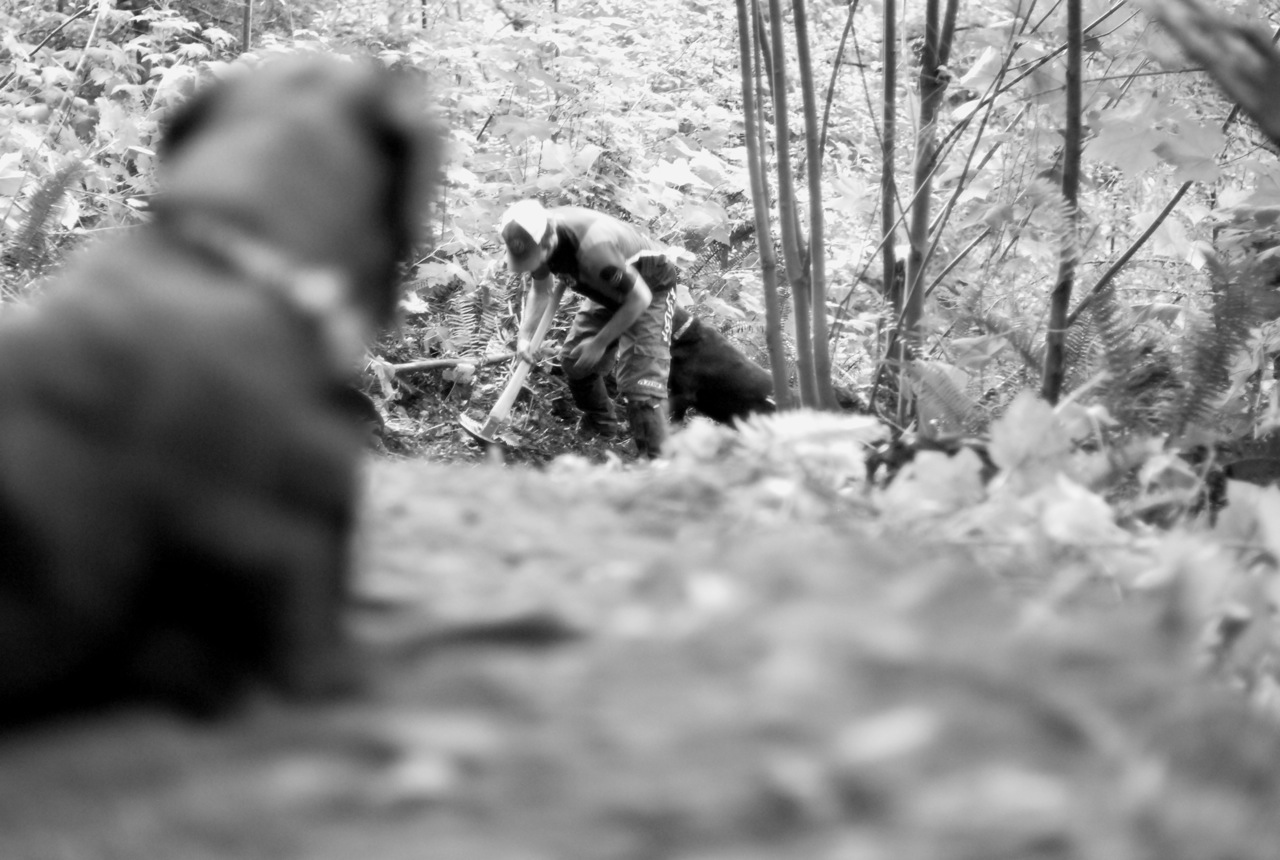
(1029, 439)
(218, 36)
(934, 484)
(975, 353)
(1073, 515)
(1193, 152)
(1129, 144)
(12, 175)
(677, 174)
(517, 129)
(983, 73)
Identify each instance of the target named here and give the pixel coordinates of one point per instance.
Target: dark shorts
(642, 355)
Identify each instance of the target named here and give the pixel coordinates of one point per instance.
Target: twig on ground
(438, 363)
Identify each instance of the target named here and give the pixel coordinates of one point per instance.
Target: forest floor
(623, 662)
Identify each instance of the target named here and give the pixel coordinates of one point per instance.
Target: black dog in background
(711, 375)
(177, 461)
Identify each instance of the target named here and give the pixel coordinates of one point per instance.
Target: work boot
(648, 420)
(598, 418)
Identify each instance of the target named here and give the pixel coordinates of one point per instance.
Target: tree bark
(760, 205)
(1055, 369)
(246, 25)
(895, 350)
(792, 242)
(823, 391)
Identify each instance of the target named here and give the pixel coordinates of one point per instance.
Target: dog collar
(319, 293)
(679, 333)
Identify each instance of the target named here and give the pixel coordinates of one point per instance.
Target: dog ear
(185, 121)
(410, 143)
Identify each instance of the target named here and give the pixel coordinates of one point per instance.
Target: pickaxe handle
(515, 382)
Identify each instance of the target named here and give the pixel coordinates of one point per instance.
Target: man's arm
(588, 353)
(535, 305)
(637, 300)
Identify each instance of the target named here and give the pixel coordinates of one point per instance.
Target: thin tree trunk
(246, 26)
(1055, 369)
(931, 90)
(760, 202)
(948, 34)
(835, 70)
(825, 394)
(922, 179)
(792, 251)
(932, 86)
(895, 350)
(762, 44)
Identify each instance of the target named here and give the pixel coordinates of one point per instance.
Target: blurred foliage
(774, 659)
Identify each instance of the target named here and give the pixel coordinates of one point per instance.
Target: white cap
(524, 229)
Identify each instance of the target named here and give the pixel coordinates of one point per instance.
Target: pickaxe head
(485, 431)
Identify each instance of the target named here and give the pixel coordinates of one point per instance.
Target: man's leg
(588, 391)
(644, 363)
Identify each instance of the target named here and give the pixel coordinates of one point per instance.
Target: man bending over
(628, 288)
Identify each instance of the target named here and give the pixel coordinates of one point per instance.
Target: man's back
(594, 250)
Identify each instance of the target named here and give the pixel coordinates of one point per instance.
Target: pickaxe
(487, 431)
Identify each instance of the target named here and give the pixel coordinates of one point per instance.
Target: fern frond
(1057, 217)
(1081, 347)
(938, 395)
(711, 252)
(1115, 333)
(473, 320)
(29, 247)
(1215, 339)
(1019, 338)
(1142, 384)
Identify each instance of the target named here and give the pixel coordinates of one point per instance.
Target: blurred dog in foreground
(177, 466)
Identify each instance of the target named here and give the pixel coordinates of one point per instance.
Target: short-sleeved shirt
(598, 252)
